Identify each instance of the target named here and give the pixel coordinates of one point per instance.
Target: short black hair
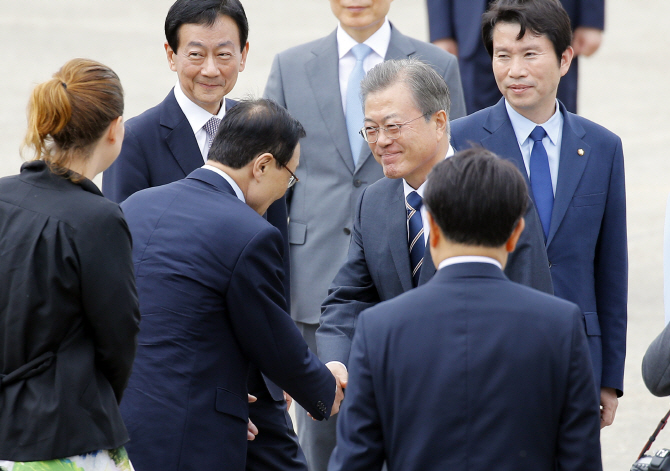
(204, 12)
(253, 127)
(476, 198)
(541, 17)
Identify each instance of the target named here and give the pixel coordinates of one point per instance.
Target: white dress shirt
(236, 188)
(468, 259)
(197, 117)
(408, 189)
(552, 141)
(378, 42)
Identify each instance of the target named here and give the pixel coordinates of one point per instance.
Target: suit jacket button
(357, 183)
(346, 230)
(550, 265)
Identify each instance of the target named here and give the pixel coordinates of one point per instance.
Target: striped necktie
(417, 246)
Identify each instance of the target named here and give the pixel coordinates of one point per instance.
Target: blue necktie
(540, 179)
(417, 246)
(355, 116)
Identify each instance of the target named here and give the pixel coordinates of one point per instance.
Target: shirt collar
(523, 126)
(228, 178)
(196, 116)
(378, 42)
(468, 259)
(408, 189)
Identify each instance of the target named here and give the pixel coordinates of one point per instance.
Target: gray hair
(429, 90)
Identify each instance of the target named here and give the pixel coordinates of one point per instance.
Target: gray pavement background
(623, 87)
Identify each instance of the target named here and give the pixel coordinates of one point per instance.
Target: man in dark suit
(209, 274)
(574, 168)
(316, 83)
(455, 26)
(406, 108)
(470, 371)
(206, 45)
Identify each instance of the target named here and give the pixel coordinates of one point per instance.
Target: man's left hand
(608, 405)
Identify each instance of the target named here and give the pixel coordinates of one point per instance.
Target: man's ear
(435, 233)
(441, 120)
(170, 57)
(262, 164)
(510, 245)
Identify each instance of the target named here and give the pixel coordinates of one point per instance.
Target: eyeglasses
(293, 180)
(392, 131)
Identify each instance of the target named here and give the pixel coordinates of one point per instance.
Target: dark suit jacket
(68, 317)
(212, 301)
(378, 267)
(469, 371)
(159, 147)
(305, 80)
(462, 20)
(586, 247)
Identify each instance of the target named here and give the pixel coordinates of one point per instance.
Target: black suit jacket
(211, 302)
(68, 317)
(469, 371)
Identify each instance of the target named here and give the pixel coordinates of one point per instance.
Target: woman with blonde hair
(68, 306)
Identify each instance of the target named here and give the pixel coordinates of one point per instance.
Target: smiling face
(207, 61)
(527, 71)
(360, 18)
(421, 143)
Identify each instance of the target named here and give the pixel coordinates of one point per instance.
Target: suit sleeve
(439, 19)
(351, 292)
(129, 172)
(611, 277)
(109, 296)
(528, 264)
(274, 88)
(360, 444)
(452, 76)
(266, 333)
(656, 365)
(591, 14)
(578, 441)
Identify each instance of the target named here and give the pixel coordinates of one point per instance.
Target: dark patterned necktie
(417, 246)
(211, 127)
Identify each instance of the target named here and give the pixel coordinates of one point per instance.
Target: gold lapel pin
(580, 151)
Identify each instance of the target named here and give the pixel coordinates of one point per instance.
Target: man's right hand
(448, 44)
(341, 378)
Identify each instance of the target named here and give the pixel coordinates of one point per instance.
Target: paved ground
(624, 87)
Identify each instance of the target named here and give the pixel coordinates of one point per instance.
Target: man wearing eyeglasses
(407, 129)
(209, 278)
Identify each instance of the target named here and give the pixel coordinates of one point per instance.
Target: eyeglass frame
(293, 180)
(363, 133)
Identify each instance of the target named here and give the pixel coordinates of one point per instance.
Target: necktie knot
(361, 51)
(414, 201)
(212, 126)
(538, 133)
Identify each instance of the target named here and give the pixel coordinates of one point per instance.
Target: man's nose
(209, 67)
(517, 67)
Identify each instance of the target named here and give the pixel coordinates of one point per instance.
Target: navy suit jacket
(159, 147)
(378, 266)
(212, 301)
(469, 371)
(462, 20)
(586, 246)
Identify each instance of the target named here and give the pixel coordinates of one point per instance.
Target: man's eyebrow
(199, 44)
(388, 116)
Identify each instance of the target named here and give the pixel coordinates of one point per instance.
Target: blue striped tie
(417, 246)
(540, 179)
(355, 115)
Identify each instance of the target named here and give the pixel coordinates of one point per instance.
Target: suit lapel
(180, 139)
(570, 169)
(396, 228)
(502, 137)
(323, 74)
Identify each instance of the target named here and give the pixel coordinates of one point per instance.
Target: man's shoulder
(152, 116)
(381, 189)
(303, 52)
(471, 121)
(592, 129)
